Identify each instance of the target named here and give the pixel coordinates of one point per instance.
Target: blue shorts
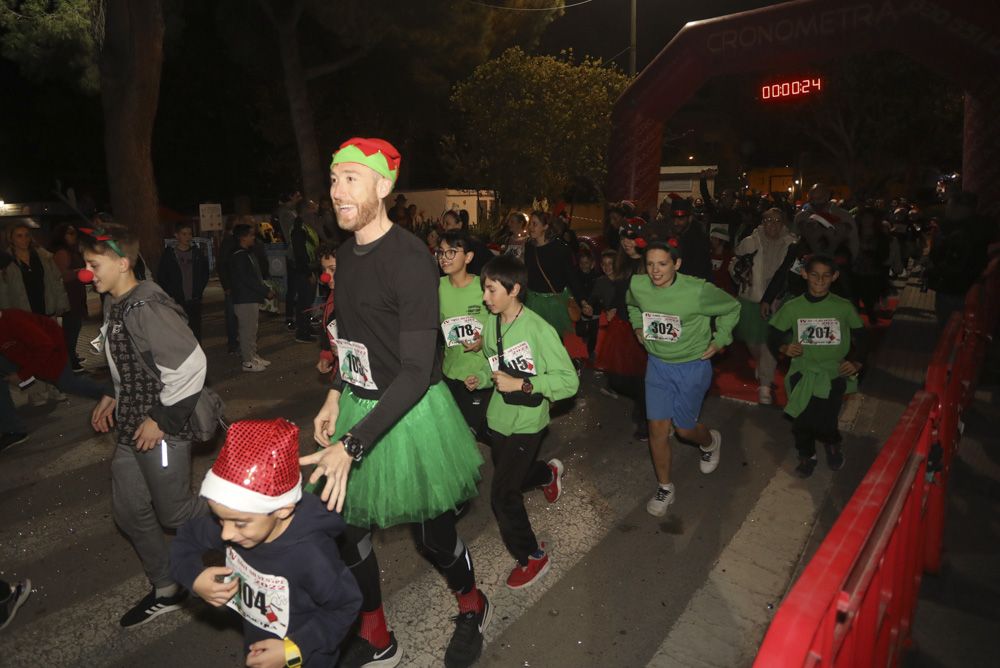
(675, 391)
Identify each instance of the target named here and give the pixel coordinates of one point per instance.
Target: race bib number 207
(819, 332)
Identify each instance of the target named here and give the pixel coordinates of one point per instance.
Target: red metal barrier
(853, 603)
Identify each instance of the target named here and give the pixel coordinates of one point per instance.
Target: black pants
(868, 291)
(232, 327)
(193, 310)
(436, 537)
(587, 330)
(633, 387)
(818, 422)
(472, 404)
(298, 300)
(515, 469)
(72, 323)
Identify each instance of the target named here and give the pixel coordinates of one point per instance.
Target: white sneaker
(764, 397)
(710, 458)
(254, 366)
(260, 360)
(657, 506)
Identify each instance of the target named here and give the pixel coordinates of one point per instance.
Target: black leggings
(818, 422)
(436, 537)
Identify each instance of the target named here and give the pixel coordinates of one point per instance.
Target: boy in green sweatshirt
(526, 363)
(671, 314)
(462, 317)
(826, 351)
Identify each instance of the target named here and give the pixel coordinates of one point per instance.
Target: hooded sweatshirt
(294, 587)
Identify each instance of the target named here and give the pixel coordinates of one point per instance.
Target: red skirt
(617, 349)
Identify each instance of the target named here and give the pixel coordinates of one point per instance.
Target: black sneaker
(151, 607)
(360, 653)
(10, 439)
(77, 367)
(834, 456)
(18, 594)
(290, 325)
(806, 466)
(467, 641)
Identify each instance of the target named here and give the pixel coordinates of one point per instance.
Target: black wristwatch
(527, 387)
(353, 446)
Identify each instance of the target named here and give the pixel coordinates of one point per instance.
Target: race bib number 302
(461, 329)
(661, 327)
(261, 599)
(517, 357)
(819, 332)
(355, 367)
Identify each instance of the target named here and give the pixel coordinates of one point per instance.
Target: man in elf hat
(283, 572)
(395, 446)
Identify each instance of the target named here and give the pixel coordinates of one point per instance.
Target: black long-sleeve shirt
(557, 264)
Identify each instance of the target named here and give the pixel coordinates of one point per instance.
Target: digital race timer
(790, 88)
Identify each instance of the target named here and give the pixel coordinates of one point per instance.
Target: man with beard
(389, 426)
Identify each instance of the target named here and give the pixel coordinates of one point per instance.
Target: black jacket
(245, 280)
(170, 279)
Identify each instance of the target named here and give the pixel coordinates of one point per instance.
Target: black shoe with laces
(834, 456)
(151, 607)
(806, 466)
(361, 653)
(467, 641)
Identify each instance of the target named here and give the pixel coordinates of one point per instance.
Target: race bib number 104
(262, 599)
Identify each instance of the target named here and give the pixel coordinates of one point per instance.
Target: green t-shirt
(676, 320)
(462, 317)
(823, 328)
(533, 345)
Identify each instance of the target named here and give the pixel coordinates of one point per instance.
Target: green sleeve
(782, 320)
(558, 380)
(853, 319)
(722, 305)
(634, 312)
(485, 373)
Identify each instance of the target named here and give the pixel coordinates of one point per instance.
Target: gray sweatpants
(246, 317)
(766, 364)
(147, 497)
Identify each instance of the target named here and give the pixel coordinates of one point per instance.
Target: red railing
(854, 602)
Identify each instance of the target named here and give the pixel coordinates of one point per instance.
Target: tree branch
(337, 65)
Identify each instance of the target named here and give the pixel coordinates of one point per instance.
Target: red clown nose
(85, 276)
(326, 278)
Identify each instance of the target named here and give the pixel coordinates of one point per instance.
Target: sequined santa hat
(258, 468)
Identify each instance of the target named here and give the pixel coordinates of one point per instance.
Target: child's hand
(638, 336)
(506, 383)
(792, 349)
(147, 435)
(324, 365)
(211, 590)
(268, 653)
(475, 346)
(848, 368)
(103, 417)
(471, 383)
(710, 351)
(610, 314)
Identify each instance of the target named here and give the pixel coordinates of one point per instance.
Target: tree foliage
(534, 126)
(52, 39)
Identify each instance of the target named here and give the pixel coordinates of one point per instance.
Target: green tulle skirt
(426, 465)
(553, 307)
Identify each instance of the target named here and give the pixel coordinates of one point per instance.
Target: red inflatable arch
(958, 38)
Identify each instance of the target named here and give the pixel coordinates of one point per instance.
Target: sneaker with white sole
(361, 653)
(467, 641)
(658, 505)
(710, 458)
(764, 397)
(19, 593)
(254, 367)
(151, 607)
(260, 360)
(553, 490)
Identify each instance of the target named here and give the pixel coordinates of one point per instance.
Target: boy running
(671, 315)
(529, 367)
(827, 353)
(151, 468)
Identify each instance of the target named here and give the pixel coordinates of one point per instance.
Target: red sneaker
(524, 576)
(553, 490)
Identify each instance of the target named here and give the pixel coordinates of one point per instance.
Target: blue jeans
(11, 422)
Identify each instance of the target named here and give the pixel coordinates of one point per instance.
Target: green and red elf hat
(378, 154)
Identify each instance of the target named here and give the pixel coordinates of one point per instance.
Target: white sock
(168, 591)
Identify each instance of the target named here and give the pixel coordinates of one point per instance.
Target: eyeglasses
(772, 220)
(448, 254)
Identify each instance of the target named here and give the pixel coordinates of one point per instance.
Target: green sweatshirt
(462, 315)
(676, 320)
(538, 349)
(824, 330)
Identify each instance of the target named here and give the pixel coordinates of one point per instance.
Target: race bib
(261, 599)
(819, 332)
(331, 329)
(716, 264)
(461, 329)
(98, 343)
(517, 357)
(661, 327)
(797, 267)
(354, 365)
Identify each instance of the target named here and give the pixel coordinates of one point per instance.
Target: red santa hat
(258, 468)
